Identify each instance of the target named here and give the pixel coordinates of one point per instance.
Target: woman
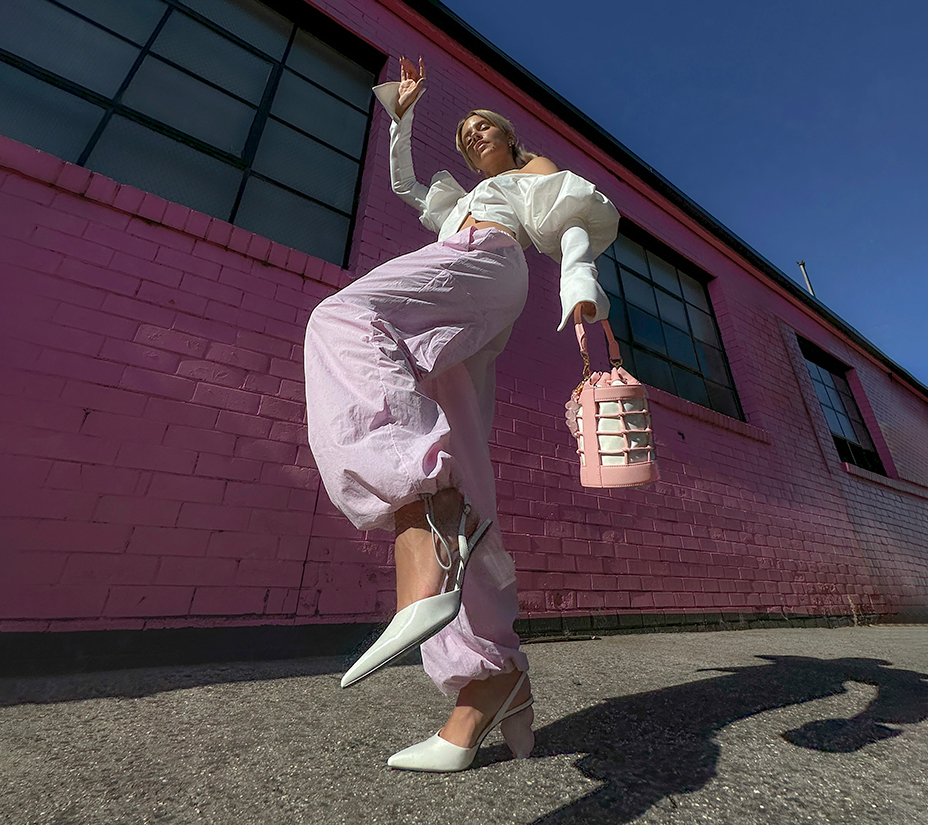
(400, 396)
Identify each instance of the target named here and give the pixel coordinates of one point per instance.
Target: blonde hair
(520, 154)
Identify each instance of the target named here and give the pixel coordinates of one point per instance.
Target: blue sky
(801, 126)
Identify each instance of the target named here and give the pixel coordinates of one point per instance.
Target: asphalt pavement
(754, 727)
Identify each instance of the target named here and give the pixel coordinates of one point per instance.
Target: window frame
(849, 452)
(301, 16)
(628, 341)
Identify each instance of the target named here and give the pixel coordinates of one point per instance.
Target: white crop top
(563, 215)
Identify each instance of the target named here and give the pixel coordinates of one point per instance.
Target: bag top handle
(615, 354)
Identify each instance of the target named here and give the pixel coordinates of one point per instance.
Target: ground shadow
(652, 745)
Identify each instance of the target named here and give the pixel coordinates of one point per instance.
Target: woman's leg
(399, 404)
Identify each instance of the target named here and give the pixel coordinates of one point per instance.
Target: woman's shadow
(650, 745)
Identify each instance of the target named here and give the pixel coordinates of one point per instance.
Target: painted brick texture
(154, 464)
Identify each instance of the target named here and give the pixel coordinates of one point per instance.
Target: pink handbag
(608, 415)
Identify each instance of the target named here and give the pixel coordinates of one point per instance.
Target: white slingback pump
(421, 620)
(441, 756)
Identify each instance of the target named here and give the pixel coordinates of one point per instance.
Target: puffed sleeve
(433, 203)
(569, 220)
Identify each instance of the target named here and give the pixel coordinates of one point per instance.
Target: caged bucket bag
(608, 415)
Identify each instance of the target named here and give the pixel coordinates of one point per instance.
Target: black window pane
(861, 436)
(654, 371)
(135, 19)
(130, 153)
(44, 116)
(309, 108)
(303, 164)
(722, 400)
(691, 387)
(694, 291)
(608, 274)
(64, 44)
(671, 309)
(253, 22)
(631, 254)
(834, 423)
(703, 326)
(680, 347)
(712, 363)
(663, 273)
(617, 319)
(647, 330)
(169, 95)
(639, 292)
(311, 57)
(214, 57)
(294, 221)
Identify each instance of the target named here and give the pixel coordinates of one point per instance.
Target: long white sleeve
(579, 282)
(402, 175)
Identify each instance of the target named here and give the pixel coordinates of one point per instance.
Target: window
(847, 426)
(663, 320)
(226, 106)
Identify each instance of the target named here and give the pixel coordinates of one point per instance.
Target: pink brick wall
(154, 465)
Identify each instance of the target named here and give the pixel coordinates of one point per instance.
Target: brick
(201, 440)
(271, 573)
(151, 457)
(142, 600)
(179, 570)
(243, 545)
(168, 541)
(238, 357)
(134, 510)
(96, 568)
(226, 398)
(228, 601)
(180, 488)
(51, 601)
(239, 469)
(212, 517)
(240, 424)
(157, 383)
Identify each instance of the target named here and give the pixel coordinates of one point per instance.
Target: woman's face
(487, 146)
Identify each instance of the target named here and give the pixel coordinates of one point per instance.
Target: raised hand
(412, 82)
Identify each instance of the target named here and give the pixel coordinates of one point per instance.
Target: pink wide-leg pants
(400, 391)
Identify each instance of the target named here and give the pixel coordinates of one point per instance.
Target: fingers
(408, 70)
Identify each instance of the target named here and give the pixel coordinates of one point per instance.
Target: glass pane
(835, 400)
(847, 429)
(654, 371)
(64, 44)
(671, 309)
(130, 153)
(294, 221)
(663, 273)
(703, 326)
(213, 57)
(834, 424)
(169, 95)
(617, 319)
(822, 392)
(44, 116)
(302, 163)
(814, 371)
(135, 19)
(639, 292)
(691, 387)
(862, 437)
(608, 274)
(680, 347)
(712, 363)
(646, 330)
(317, 112)
(694, 291)
(722, 400)
(311, 57)
(631, 254)
(253, 22)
